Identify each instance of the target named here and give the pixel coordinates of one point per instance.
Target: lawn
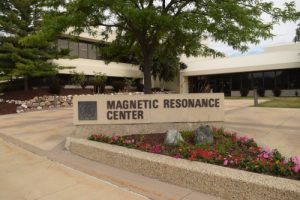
(282, 102)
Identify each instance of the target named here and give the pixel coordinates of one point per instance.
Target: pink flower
(114, 138)
(225, 162)
(295, 160)
(296, 168)
(244, 139)
(177, 156)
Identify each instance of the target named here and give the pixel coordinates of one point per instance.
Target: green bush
(99, 82)
(261, 91)
(118, 86)
(277, 92)
(55, 86)
(79, 79)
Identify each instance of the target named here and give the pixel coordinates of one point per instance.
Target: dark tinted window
(236, 82)
(269, 80)
(282, 79)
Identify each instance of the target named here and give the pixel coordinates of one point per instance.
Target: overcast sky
(284, 33)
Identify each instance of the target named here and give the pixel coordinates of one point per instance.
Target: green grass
(282, 102)
(245, 98)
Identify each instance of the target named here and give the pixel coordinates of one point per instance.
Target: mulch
(6, 108)
(153, 138)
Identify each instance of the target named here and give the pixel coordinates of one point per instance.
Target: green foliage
(79, 79)
(19, 19)
(128, 83)
(118, 86)
(99, 81)
(297, 36)
(55, 86)
(151, 31)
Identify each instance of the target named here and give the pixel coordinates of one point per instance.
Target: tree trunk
(25, 83)
(147, 74)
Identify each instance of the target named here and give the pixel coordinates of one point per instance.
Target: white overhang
(270, 60)
(89, 67)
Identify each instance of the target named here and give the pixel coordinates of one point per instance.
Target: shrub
(244, 92)
(55, 86)
(118, 86)
(79, 79)
(128, 83)
(99, 82)
(277, 92)
(261, 91)
(140, 87)
(14, 85)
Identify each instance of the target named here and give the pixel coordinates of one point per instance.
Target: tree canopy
(155, 29)
(18, 19)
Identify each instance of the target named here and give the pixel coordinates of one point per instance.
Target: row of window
(79, 49)
(282, 79)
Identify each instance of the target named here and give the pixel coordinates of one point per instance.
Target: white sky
(284, 33)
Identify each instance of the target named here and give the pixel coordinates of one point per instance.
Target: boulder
(24, 106)
(39, 108)
(65, 104)
(204, 134)
(35, 104)
(173, 137)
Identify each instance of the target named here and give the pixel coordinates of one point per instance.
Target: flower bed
(228, 150)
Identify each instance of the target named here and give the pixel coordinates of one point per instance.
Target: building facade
(277, 68)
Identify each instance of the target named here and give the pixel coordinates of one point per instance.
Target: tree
(146, 28)
(297, 36)
(18, 19)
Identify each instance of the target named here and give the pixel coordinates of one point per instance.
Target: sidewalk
(28, 176)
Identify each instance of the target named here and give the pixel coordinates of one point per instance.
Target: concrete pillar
(183, 84)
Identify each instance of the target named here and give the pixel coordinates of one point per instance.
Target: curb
(211, 179)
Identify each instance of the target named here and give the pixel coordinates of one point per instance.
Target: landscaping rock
(24, 106)
(39, 108)
(35, 104)
(173, 137)
(204, 134)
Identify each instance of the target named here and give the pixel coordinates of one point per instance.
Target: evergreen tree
(150, 29)
(297, 36)
(18, 19)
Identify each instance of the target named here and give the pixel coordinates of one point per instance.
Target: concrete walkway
(27, 176)
(44, 133)
(274, 128)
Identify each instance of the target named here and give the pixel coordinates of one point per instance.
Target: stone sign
(156, 108)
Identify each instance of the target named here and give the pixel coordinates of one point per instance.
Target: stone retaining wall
(216, 180)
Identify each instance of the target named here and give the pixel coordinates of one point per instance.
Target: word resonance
(134, 109)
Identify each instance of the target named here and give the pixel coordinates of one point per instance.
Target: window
(83, 50)
(62, 44)
(294, 76)
(269, 80)
(236, 82)
(92, 51)
(282, 79)
(73, 48)
(258, 80)
(246, 81)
